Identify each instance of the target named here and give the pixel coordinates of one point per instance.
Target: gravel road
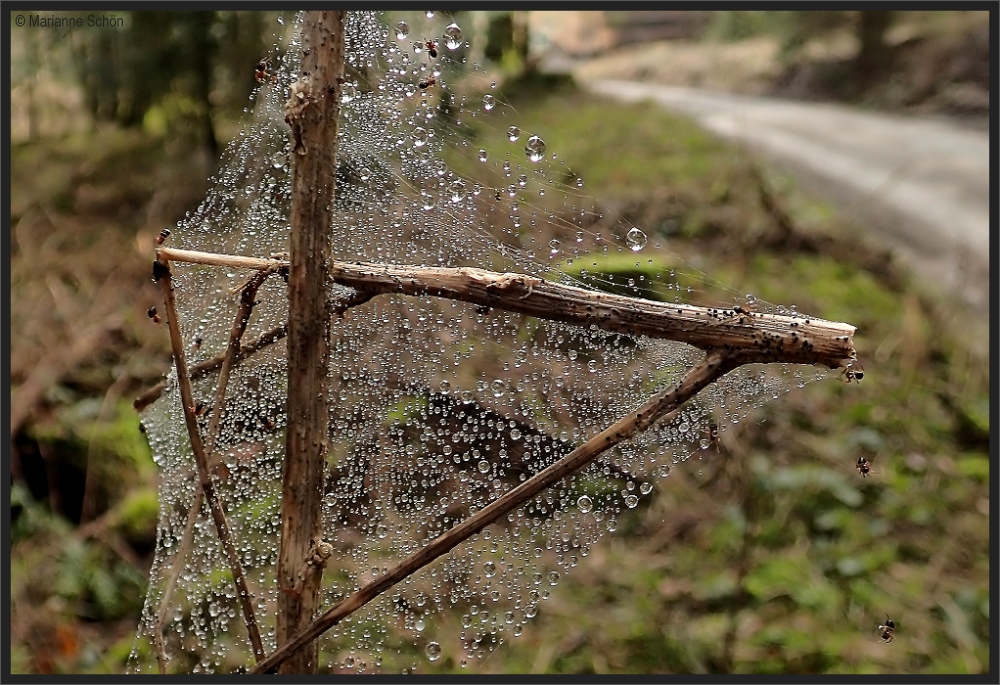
(920, 185)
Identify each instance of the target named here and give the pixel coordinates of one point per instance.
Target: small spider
(854, 371)
(885, 631)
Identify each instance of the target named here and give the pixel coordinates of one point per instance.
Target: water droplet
(419, 625)
(513, 133)
(402, 30)
(631, 501)
(429, 14)
(572, 354)
(427, 200)
(281, 20)
(445, 387)
(483, 466)
(635, 239)
(348, 92)
(278, 160)
(585, 503)
(433, 651)
(522, 180)
(489, 102)
(381, 531)
(535, 148)
(498, 388)
(482, 155)
(554, 246)
(419, 136)
(489, 569)
(515, 434)
(646, 488)
(452, 36)
(592, 366)
(751, 299)
(553, 577)
(457, 189)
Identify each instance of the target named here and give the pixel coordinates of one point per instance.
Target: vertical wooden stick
(247, 298)
(312, 112)
(201, 459)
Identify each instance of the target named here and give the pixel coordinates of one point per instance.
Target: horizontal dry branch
(747, 337)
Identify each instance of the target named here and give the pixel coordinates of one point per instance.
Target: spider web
(439, 407)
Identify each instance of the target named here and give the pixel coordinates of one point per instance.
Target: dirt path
(921, 185)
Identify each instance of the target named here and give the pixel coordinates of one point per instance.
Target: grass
(772, 555)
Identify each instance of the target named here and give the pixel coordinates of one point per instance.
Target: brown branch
(201, 459)
(247, 301)
(209, 365)
(662, 405)
(753, 336)
(313, 113)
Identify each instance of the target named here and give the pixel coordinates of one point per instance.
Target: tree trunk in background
(313, 113)
(873, 52)
(203, 58)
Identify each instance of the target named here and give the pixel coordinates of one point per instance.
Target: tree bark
(312, 111)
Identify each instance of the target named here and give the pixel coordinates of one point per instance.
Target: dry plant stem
(663, 405)
(201, 460)
(247, 298)
(313, 113)
(209, 365)
(755, 337)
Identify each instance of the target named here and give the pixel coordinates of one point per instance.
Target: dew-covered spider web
(439, 406)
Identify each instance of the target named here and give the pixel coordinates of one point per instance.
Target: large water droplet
(498, 388)
(419, 136)
(515, 434)
(483, 466)
(489, 569)
(631, 501)
(402, 30)
(433, 651)
(585, 503)
(513, 133)
(457, 189)
(348, 92)
(482, 155)
(489, 102)
(635, 239)
(553, 577)
(452, 36)
(535, 148)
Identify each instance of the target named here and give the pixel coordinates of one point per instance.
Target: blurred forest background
(773, 555)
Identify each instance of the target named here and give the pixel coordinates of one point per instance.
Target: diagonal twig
(209, 365)
(247, 301)
(162, 269)
(662, 405)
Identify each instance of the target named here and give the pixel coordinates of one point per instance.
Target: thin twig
(755, 336)
(209, 365)
(201, 459)
(247, 301)
(662, 405)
